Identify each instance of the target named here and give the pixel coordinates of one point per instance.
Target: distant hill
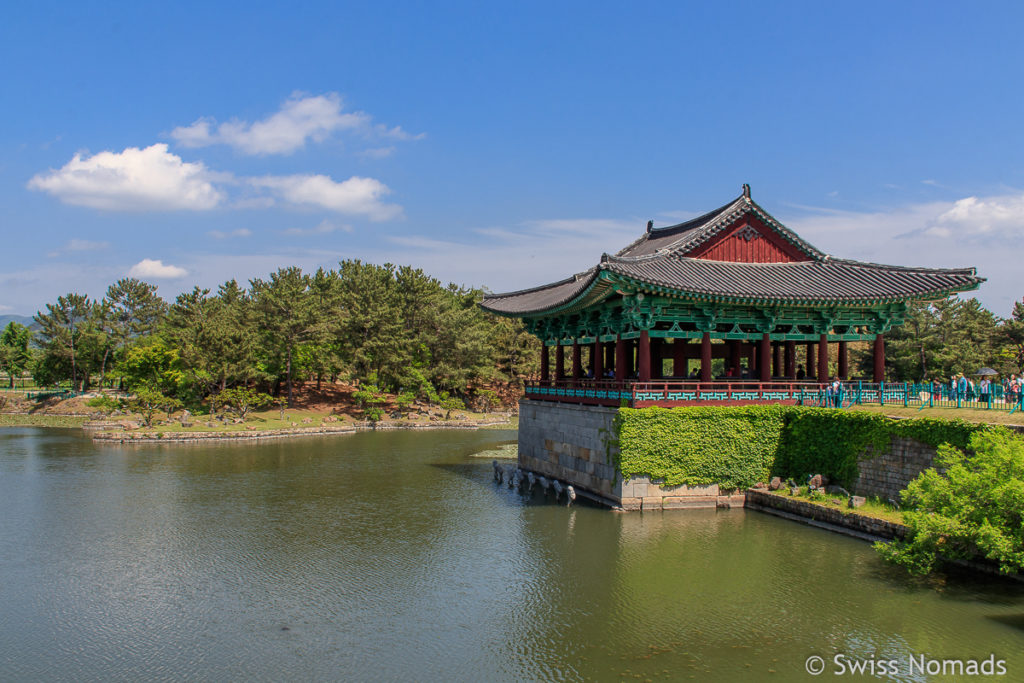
(25, 320)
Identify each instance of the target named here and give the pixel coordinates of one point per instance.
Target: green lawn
(1002, 417)
(12, 420)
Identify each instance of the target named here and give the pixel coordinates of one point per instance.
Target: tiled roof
(540, 298)
(683, 238)
(658, 260)
(829, 280)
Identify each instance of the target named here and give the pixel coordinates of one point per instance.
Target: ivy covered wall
(739, 446)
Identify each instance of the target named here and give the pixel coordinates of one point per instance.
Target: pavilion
(733, 284)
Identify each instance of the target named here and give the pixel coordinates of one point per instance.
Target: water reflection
(395, 556)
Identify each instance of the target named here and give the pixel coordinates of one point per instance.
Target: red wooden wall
(767, 247)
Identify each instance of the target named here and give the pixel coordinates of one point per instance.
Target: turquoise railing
(683, 392)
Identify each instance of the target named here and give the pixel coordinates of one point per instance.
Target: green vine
(738, 446)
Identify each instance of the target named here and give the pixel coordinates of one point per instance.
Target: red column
(790, 357)
(823, 358)
(620, 358)
(705, 357)
(597, 360)
(545, 368)
(810, 360)
(643, 357)
(879, 358)
(777, 359)
(559, 362)
(765, 362)
(844, 363)
(577, 365)
(679, 357)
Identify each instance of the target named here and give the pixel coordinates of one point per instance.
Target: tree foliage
(14, 350)
(242, 400)
(942, 338)
(975, 509)
(389, 326)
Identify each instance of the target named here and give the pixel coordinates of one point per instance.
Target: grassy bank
(873, 507)
(272, 420)
(40, 420)
(979, 415)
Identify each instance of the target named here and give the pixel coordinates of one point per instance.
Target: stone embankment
(849, 523)
(255, 434)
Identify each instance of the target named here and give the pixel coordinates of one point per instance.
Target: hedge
(738, 446)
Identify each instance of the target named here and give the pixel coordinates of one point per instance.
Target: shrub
(975, 509)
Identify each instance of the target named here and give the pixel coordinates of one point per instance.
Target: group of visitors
(963, 388)
(1013, 388)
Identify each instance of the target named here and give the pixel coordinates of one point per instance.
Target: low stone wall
(886, 474)
(179, 437)
(640, 493)
(571, 443)
(819, 515)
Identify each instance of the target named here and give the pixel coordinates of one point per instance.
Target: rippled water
(394, 556)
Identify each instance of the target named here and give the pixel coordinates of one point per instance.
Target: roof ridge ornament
(746, 190)
(650, 225)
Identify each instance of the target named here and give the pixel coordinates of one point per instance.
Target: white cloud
(150, 268)
(300, 118)
(397, 133)
(974, 231)
(325, 227)
(999, 216)
(222, 235)
(132, 180)
(5, 309)
(353, 196)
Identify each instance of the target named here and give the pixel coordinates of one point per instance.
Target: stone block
(631, 504)
(856, 501)
(684, 490)
(688, 502)
(651, 503)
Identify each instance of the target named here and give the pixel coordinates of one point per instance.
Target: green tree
(975, 509)
(286, 318)
(243, 400)
(72, 338)
(370, 323)
(153, 364)
(133, 311)
(147, 402)
(14, 350)
(215, 338)
(370, 400)
(1011, 340)
(939, 339)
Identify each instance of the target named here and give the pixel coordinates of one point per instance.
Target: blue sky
(501, 146)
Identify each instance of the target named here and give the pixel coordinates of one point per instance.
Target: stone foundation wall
(575, 444)
(571, 443)
(886, 474)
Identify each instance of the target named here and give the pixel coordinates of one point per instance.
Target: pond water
(395, 556)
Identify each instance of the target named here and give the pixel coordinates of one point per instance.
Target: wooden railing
(636, 394)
